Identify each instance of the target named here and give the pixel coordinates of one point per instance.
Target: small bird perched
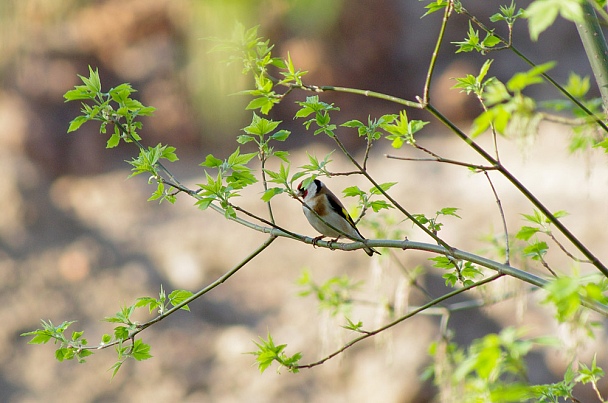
(327, 206)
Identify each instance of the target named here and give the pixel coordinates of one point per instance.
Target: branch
(366, 93)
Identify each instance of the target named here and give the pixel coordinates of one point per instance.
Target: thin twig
(444, 160)
(546, 266)
(427, 85)
(502, 217)
(563, 248)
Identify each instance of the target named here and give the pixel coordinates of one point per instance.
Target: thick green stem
(596, 48)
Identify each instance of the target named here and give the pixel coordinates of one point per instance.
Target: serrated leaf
(353, 123)
(178, 296)
(121, 333)
(40, 338)
(113, 141)
(352, 191)
(77, 122)
(151, 303)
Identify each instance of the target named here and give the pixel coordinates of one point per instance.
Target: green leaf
(41, 337)
(353, 191)
(114, 140)
(525, 233)
(260, 126)
(536, 250)
(168, 153)
(270, 193)
(116, 367)
(140, 350)
(435, 6)
(442, 262)
(535, 218)
(541, 14)
(353, 326)
(151, 303)
(378, 205)
(244, 139)
(77, 122)
(281, 135)
(521, 80)
(236, 158)
(211, 162)
(449, 211)
(490, 41)
(353, 123)
(121, 333)
(178, 296)
(384, 186)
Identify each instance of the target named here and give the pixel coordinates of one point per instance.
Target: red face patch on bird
(302, 192)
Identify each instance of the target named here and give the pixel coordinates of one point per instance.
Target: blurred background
(78, 241)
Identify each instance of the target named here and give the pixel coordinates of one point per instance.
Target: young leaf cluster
(401, 130)
(70, 347)
(268, 353)
(320, 110)
(432, 223)
(232, 176)
(113, 107)
(164, 302)
(461, 271)
(474, 43)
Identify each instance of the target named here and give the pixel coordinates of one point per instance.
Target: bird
(326, 205)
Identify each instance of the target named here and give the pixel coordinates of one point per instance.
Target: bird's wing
(339, 208)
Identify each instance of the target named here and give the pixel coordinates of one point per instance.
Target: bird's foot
(332, 241)
(316, 240)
